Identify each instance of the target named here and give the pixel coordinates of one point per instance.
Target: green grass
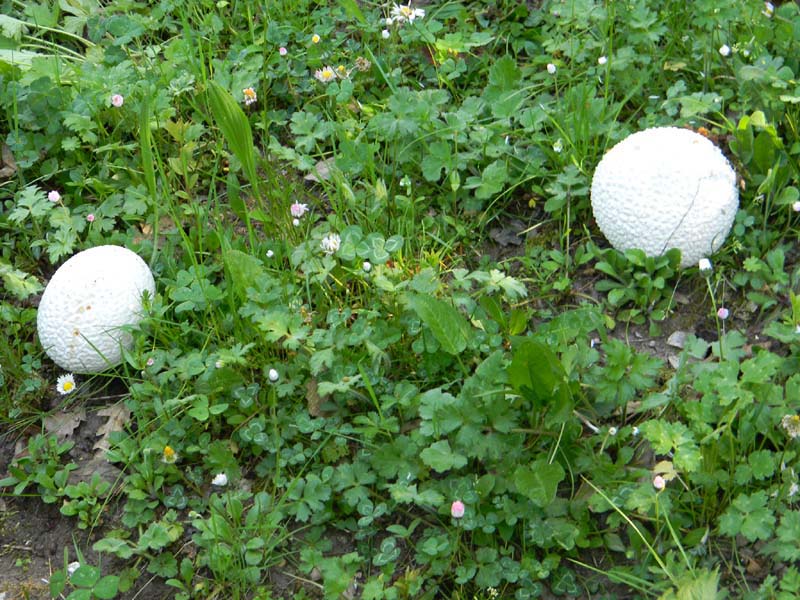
(353, 392)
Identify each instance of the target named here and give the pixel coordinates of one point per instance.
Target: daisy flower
(725, 50)
(169, 455)
(65, 384)
(298, 210)
(401, 13)
(315, 39)
(791, 423)
(249, 96)
(325, 74)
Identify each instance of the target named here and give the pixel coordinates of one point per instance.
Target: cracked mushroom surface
(662, 188)
(87, 306)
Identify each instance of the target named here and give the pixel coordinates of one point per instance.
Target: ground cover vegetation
(389, 354)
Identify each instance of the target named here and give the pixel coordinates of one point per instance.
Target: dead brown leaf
(118, 416)
(62, 424)
(313, 398)
(322, 170)
(8, 166)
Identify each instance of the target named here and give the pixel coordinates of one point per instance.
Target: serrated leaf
(440, 457)
(450, 328)
(787, 546)
(19, 283)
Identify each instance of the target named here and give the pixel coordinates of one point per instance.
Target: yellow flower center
(169, 454)
(406, 10)
(315, 38)
(68, 386)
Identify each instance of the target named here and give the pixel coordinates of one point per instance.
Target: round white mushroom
(665, 188)
(88, 306)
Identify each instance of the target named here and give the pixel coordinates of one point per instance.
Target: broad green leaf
(440, 457)
(114, 546)
(244, 270)
(539, 481)
(450, 328)
(108, 586)
(536, 374)
(85, 576)
(19, 283)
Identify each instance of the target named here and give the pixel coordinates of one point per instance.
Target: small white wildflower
(330, 243)
(298, 209)
(385, 34)
(659, 482)
(296, 222)
(769, 10)
(558, 146)
(270, 254)
(72, 567)
(793, 489)
(704, 265)
(635, 431)
(551, 68)
(219, 364)
(65, 384)
(325, 74)
(273, 375)
(250, 96)
(54, 196)
(725, 50)
(403, 12)
(602, 60)
(791, 423)
(117, 100)
(367, 266)
(169, 456)
(612, 431)
(796, 206)
(220, 480)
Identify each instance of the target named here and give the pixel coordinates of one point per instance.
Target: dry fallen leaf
(96, 465)
(62, 424)
(118, 416)
(8, 166)
(322, 170)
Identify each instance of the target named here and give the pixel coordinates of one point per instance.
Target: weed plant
(337, 379)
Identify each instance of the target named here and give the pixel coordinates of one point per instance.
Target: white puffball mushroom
(663, 188)
(87, 305)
